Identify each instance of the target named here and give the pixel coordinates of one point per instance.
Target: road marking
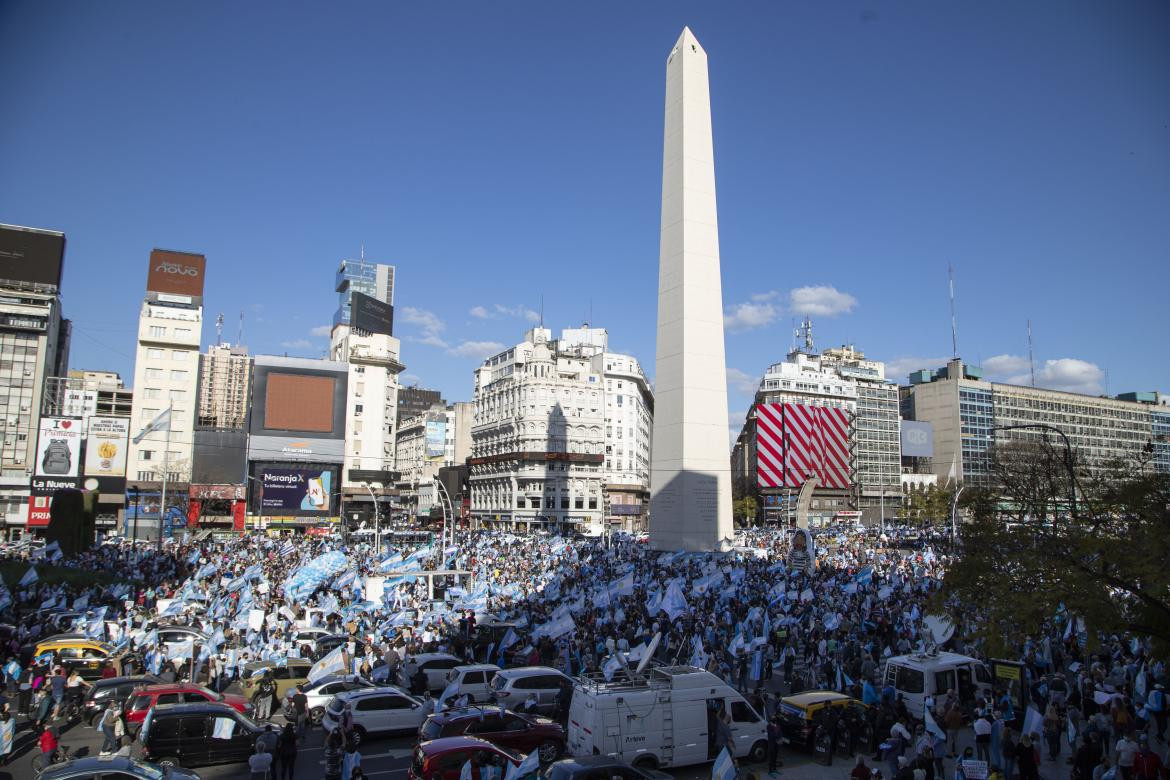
(400, 753)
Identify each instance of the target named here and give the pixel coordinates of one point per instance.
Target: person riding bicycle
(75, 690)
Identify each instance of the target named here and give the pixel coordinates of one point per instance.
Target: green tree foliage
(745, 511)
(1026, 553)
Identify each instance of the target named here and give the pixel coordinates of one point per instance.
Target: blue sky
(501, 153)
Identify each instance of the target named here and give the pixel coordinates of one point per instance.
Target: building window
(146, 454)
(178, 375)
(592, 502)
(152, 393)
(178, 395)
(154, 373)
(146, 476)
(158, 332)
(182, 333)
(357, 408)
(154, 354)
(179, 354)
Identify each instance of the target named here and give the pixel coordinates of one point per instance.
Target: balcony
(363, 355)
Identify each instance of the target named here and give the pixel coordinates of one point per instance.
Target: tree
(1027, 553)
(746, 510)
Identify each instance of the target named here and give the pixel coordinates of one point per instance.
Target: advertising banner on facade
(295, 490)
(59, 447)
(31, 255)
(105, 446)
(177, 273)
(370, 314)
(436, 439)
(917, 439)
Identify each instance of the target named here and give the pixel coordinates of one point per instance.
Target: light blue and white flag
(30, 577)
(529, 766)
(333, 663)
(724, 767)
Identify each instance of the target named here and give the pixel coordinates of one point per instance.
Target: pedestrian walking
(107, 726)
(286, 753)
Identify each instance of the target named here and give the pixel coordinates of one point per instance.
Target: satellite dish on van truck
(939, 627)
(646, 656)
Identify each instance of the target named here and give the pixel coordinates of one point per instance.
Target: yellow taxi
(802, 714)
(87, 656)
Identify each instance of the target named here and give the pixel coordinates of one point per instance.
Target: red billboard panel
(176, 273)
(796, 441)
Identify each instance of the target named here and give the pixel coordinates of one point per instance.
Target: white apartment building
(371, 412)
(538, 440)
(166, 369)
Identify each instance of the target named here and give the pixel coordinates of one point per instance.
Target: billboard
(299, 402)
(436, 439)
(917, 439)
(296, 491)
(31, 255)
(370, 314)
(796, 441)
(176, 273)
(105, 446)
(59, 447)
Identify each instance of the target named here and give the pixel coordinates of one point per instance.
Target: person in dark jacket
(775, 738)
(286, 753)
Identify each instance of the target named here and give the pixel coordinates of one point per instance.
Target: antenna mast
(240, 335)
(1031, 360)
(954, 330)
(219, 328)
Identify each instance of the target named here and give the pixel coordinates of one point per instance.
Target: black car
(115, 767)
(197, 735)
(116, 689)
(599, 768)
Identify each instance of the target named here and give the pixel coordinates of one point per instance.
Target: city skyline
(1046, 188)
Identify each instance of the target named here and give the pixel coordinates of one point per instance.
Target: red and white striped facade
(794, 441)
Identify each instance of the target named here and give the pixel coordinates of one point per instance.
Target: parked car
(173, 637)
(512, 687)
(87, 656)
(376, 711)
(472, 680)
(596, 767)
(114, 767)
(286, 675)
(320, 691)
(523, 733)
(194, 734)
(443, 759)
(802, 714)
(436, 666)
(143, 699)
(117, 689)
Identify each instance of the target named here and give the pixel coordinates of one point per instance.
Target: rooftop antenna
(240, 335)
(794, 334)
(954, 330)
(219, 328)
(1031, 360)
(363, 252)
(542, 311)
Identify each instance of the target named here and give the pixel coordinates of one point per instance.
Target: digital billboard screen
(299, 491)
(370, 314)
(176, 273)
(917, 439)
(31, 255)
(298, 402)
(59, 447)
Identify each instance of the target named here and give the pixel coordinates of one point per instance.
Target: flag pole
(162, 508)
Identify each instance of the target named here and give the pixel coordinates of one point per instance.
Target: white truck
(661, 716)
(933, 674)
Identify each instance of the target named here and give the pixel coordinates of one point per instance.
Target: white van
(933, 674)
(662, 718)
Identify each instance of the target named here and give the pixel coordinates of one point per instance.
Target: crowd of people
(781, 612)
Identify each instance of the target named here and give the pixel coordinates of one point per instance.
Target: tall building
(85, 393)
(225, 375)
(166, 376)
(366, 344)
(538, 441)
(34, 345)
(414, 400)
(965, 410)
(690, 479)
(373, 279)
(424, 444)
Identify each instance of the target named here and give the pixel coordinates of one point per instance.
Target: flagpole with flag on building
(160, 423)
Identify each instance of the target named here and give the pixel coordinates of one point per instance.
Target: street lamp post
(377, 519)
(1068, 456)
(260, 511)
(448, 511)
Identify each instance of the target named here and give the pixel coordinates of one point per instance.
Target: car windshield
(253, 725)
(431, 730)
(498, 682)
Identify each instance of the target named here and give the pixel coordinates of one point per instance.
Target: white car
(321, 691)
(309, 636)
(377, 711)
(436, 666)
(472, 679)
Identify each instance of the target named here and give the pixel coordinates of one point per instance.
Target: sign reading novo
(176, 273)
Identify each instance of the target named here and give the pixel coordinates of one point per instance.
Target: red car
(139, 702)
(443, 759)
(522, 733)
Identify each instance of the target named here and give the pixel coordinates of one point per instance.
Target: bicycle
(58, 756)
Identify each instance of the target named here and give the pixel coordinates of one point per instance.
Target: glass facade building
(373, 279)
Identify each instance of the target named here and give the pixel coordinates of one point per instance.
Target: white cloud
(480, 312)
(765, 296)
(821, 301)
(750, 315)
(428, 323)
(1069, 374)
(476, 349)
(734, 426)
(742, 382)
(408, 379)
(499, 310)
(322, 331)
(898, 368)
(297, 344)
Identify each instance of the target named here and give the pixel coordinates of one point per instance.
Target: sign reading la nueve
(178, 273)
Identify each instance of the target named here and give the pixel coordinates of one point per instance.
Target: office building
(967, 414)
(414, 400)
(34, 345)
(361, 276)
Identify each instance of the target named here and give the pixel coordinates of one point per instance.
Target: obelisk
(690, 474)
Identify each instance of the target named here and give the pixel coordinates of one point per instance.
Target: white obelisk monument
(690, 472)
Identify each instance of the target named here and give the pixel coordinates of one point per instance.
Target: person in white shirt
(983, 737)
(260, 763)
